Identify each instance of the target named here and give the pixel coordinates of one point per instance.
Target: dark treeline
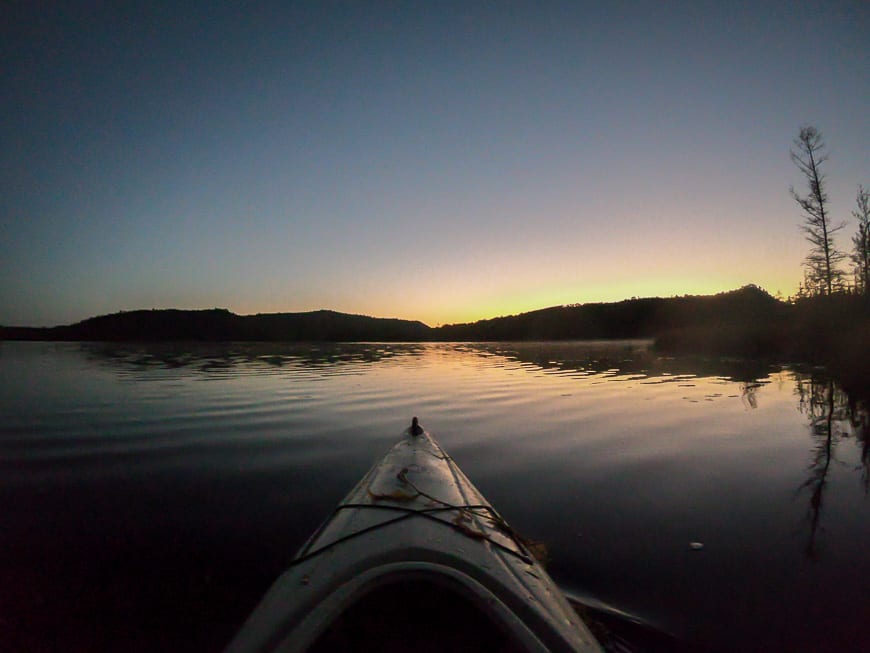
(747, 321)
(831, 330)
(632, 318)
(828, 330)
(219, 325)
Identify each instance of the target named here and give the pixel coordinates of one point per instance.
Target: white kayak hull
(414, 521)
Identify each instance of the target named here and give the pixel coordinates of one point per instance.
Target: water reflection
(623, 361)
(628, 357)
(749, 393)
(832, 413)
(594, 448)
(833, 416)
(214, 358)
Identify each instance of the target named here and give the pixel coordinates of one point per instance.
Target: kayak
(414, 558)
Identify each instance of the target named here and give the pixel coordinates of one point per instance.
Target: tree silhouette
(861, 242)
(823, 260)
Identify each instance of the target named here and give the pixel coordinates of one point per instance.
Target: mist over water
(150, 493)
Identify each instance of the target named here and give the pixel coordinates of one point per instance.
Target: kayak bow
(414, 558)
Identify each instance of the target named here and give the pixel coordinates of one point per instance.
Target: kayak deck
(414, 556)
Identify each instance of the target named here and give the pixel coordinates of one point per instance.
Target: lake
(149, 494)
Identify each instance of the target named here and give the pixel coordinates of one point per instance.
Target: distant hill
(221, 325)
(631, 318)
(747, 322)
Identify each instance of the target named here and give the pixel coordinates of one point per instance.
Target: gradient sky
(428, 160)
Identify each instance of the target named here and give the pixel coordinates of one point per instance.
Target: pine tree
(823, 261)
(861, 242)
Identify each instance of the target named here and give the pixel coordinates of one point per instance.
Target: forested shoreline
(831, 330)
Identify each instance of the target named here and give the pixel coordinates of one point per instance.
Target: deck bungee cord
(407, 513)
(465, 512)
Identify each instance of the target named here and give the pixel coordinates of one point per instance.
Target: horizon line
(378, 317)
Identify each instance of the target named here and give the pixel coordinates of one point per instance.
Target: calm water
(150, 494)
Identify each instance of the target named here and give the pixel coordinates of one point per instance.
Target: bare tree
(823, 260)
(861, 242)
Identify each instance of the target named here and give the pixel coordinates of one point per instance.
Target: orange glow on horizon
(464, 310)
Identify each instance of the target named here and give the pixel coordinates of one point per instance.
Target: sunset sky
(433, 160)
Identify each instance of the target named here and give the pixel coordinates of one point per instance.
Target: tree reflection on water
(749, 393)
(834, 415)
